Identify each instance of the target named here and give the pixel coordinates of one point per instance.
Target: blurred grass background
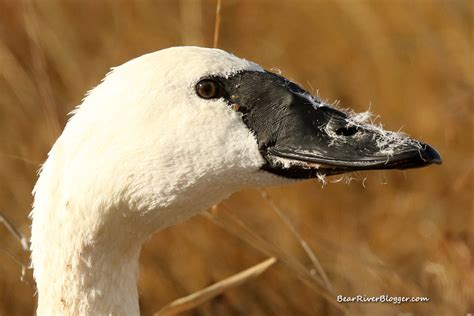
(404, 234)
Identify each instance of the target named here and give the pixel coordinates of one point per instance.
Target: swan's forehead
(188, 64)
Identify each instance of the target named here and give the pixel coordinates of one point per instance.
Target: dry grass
(404, 233)
(199, 297)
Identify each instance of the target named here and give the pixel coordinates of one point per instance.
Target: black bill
(300, 137)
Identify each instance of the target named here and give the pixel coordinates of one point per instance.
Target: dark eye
(209, 89)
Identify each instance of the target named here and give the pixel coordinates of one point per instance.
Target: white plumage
(141, 152)
(165, 136)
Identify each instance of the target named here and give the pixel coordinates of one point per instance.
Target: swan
(165, 136)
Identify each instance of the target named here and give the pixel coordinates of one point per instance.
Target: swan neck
(86, 269)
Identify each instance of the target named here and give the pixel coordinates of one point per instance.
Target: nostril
(346, 131)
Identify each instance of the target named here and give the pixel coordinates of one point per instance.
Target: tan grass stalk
(199, 297)
(11, 228)
(25, 245)
(25, 160)
(238, 228)
(217, 24)
(307, 249)
(45, 89)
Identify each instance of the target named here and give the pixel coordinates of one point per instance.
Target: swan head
(167, 135)
(186, 126)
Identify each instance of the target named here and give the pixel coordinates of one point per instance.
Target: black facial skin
(312, 138)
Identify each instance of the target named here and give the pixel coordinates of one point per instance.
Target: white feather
(141, 152)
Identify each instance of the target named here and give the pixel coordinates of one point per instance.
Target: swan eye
(209, 89)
